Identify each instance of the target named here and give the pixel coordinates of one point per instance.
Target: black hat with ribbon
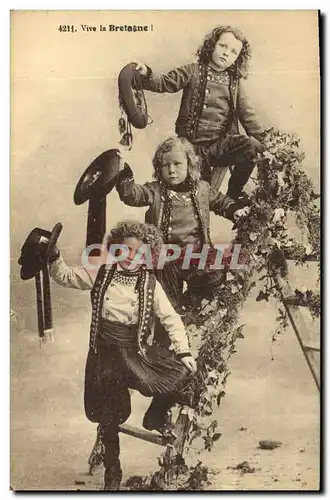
(36, 250)
(35, 254)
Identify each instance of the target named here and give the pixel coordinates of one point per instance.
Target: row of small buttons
(133, 303)
(129, 317)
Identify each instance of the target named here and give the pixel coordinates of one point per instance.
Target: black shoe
(239, 196)
(160, 423)
(112, 478)
(243, 196)
(229, 212)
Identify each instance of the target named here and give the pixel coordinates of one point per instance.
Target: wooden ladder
(307, 341)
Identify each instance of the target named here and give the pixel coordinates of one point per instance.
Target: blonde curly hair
(183, 145)
(147, 233)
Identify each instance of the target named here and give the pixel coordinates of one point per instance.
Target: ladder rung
(292, 301)
(307, 258)
(311, 348)
(130, 430)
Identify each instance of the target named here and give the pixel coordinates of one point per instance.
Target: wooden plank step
(143, 434)
(308, 258)
(312, 348)
(294, 301)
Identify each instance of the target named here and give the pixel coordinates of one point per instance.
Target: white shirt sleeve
(171, 320)
(70, 277)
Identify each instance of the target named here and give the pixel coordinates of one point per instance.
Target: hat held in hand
(37, 249)
(132, 97)
(99, 178)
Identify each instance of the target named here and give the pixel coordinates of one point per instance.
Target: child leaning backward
(213, 103)
(179, 205)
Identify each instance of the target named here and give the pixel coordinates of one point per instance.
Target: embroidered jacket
(155, 196)
(199, 99)
(115, 300)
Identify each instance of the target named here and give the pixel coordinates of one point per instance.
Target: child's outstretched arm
(132, 194)
(247, 115)
(174, 327)
(225, 206)
(171, 82)
(70, 277)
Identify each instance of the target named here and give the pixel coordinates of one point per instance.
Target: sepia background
(64, 113)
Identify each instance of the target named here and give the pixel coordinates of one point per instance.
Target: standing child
(212, 105)
(179, 205)
(125, 300)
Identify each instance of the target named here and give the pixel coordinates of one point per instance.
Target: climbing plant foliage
(281, 189)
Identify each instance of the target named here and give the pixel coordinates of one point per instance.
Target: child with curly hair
(179, 205)
(213, 103)
(126, 298)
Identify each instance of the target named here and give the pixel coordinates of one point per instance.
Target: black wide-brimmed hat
(132, 96)
(99, 178)
(36, 250)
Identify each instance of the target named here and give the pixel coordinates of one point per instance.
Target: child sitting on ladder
(125, 299)
(179, 205)
(212, 105)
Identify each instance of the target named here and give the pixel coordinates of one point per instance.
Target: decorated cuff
(57, 262)
(184, 355)
(125, 175)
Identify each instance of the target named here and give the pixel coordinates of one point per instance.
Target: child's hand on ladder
(190, 363)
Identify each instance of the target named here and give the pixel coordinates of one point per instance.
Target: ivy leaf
(280, 179)
(213, 374)
(223, 312)
(253, 236)
(191, 413)
(216, 436)
(213, 425)
(207, 395)
(308, 249)
(288, 243)
(220, 396)
(206, 310)
(239, 333)
(269, 156)
(208, 443)
(262, 296)
(279, 214)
